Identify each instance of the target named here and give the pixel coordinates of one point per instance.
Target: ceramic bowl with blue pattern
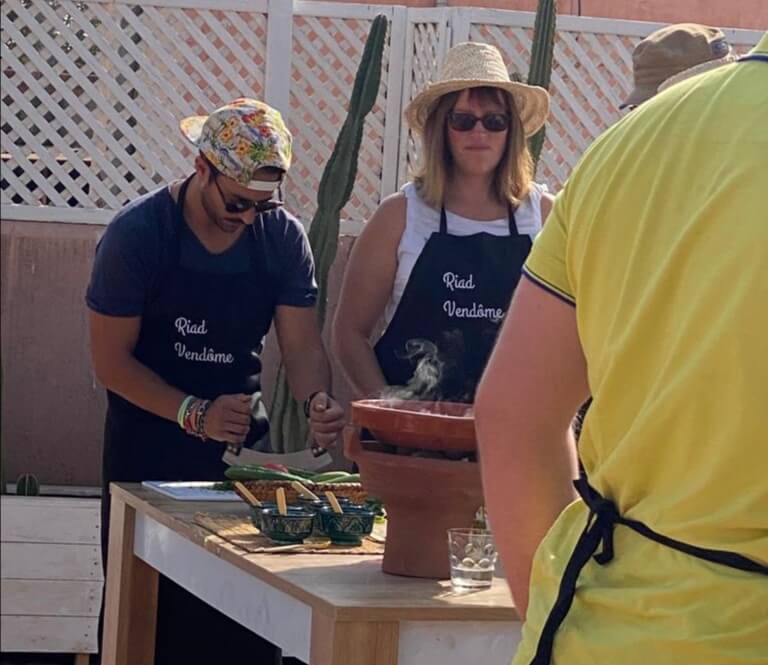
(349, 527)
(291, 528)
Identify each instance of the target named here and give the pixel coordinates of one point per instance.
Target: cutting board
(189, 490)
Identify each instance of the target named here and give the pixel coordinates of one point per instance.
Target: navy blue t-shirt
(139, 241)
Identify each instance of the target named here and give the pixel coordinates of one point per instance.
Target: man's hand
(326, 420)
(229, 418)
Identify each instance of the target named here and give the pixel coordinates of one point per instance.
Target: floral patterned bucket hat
(240, 138)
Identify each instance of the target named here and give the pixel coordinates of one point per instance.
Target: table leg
(130, 611)
(352, 643)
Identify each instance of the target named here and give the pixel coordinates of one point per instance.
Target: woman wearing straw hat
(440, 259)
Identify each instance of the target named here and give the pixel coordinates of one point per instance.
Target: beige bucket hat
(476, 65)
(672, 50)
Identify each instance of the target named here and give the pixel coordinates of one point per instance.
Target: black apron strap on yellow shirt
(598, 532)
(603, 517)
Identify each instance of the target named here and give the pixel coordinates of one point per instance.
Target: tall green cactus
(541, 60)
(289, 429)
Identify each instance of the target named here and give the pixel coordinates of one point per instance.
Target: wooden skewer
(304, 490)
(247, 494)
(282, 506)
(334, 502)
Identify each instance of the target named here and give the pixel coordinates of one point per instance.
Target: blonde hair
(513, 174)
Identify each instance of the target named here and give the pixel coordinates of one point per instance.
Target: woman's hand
(326, 420)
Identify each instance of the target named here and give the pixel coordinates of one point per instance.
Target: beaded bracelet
(188, 423)
(182, 412)
(201, 413)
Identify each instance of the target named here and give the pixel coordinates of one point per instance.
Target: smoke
(428, 371)
(431, 368)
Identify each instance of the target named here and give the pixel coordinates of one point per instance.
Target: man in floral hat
(186, 283)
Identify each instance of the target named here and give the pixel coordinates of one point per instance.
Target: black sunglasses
(464, 122)
(240, 205)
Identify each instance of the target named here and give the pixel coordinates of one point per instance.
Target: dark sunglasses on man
(465, 122)
(239, 205)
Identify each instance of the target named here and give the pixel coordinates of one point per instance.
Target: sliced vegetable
(259, 473)
(330, 476)
(341, 480)
(303, 473)
(277, 467)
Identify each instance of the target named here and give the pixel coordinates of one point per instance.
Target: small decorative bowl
(256, 512)
(316, 505)
(349, 527)
(291, 528)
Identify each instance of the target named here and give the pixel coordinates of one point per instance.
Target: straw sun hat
(475, 65)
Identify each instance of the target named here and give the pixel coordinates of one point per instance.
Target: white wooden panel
(337, 9)
(51, 598)
(271, 613)
(221, 5)
(396, 78)
(40, 520)
(457, 642)
(278, 60)
(34, 561)
(48, 634)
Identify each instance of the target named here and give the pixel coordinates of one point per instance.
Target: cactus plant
(541, 60)
(27, 485)
(289, 429)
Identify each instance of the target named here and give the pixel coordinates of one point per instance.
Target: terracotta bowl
(424, 498)
(442, 426)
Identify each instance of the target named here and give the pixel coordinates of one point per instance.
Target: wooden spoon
(247, 494)
(304, 491)
(334, 502)
(282, 506)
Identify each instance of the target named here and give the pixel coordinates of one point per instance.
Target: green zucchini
(341, 480)
(258, 473)
(302, 473)
(330, 476)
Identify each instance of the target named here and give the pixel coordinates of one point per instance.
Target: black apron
(598, 532)
(202, 333)
(445, 326)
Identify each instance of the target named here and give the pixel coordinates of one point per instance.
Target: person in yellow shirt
(647, 288)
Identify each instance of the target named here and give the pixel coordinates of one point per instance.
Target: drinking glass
(473, 558)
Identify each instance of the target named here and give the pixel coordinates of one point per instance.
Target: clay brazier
(423, 496)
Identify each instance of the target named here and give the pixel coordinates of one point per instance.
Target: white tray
(190, 490)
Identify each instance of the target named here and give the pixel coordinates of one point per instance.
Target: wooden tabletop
(349, 587)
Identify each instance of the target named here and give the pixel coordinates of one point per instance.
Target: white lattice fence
(592, 74)
(427, 40)
(327, 46)
(93, 91)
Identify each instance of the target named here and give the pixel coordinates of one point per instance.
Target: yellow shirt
(660, 238)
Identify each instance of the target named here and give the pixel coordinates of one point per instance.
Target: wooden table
(324, 609)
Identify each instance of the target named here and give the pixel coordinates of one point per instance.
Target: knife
(311, 459)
